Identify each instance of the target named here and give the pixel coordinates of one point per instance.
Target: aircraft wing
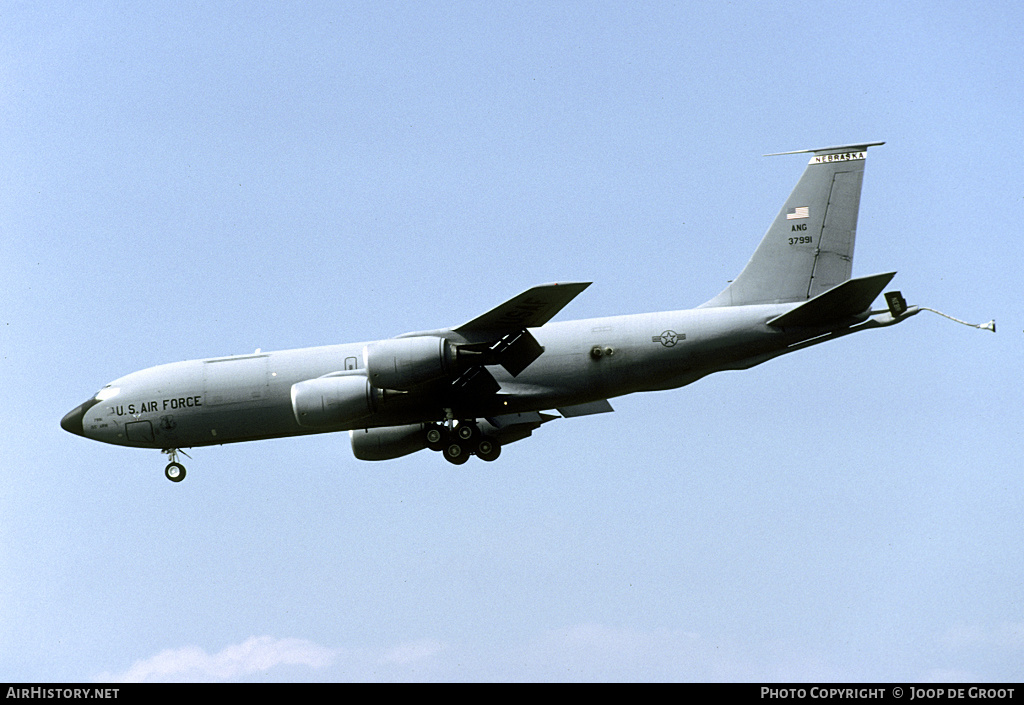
(530, 309)
(500, 337)
(501, 334)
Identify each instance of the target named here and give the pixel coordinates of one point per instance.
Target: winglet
(530, 309)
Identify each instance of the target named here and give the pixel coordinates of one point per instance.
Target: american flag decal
(798, 213)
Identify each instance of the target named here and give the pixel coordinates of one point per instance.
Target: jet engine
(387, 443)
(403, 363)
(328, 401)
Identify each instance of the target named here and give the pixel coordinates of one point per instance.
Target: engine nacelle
(404, 363)
(329, 401)
(387, 443)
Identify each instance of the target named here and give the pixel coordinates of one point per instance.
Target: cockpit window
(107, 393)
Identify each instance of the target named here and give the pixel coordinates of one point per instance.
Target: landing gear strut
(175, 471)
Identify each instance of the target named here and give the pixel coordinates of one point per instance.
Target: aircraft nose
(72, 421)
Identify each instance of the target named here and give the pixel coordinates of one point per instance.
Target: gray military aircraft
(473, 388)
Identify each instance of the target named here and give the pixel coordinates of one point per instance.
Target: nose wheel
(175, 471)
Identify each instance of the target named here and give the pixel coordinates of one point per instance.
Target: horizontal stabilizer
(530, 309)
(847, 299)
(860, 146)
(594, 407)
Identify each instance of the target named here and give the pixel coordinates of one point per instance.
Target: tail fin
(809, 248)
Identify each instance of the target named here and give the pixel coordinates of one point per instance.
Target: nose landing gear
(175, 471)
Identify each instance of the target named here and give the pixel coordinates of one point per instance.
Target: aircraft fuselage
(248, 397)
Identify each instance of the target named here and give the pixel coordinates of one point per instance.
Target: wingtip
(576, 286)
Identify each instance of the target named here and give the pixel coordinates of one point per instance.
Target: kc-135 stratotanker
(473, 388)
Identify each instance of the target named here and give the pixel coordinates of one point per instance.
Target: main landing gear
(175, 471)
(459, 441)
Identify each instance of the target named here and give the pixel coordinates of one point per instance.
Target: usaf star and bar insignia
(668, 338)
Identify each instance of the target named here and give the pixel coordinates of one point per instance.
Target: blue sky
(185, 180)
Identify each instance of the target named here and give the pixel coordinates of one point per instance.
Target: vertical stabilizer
(809, 247)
